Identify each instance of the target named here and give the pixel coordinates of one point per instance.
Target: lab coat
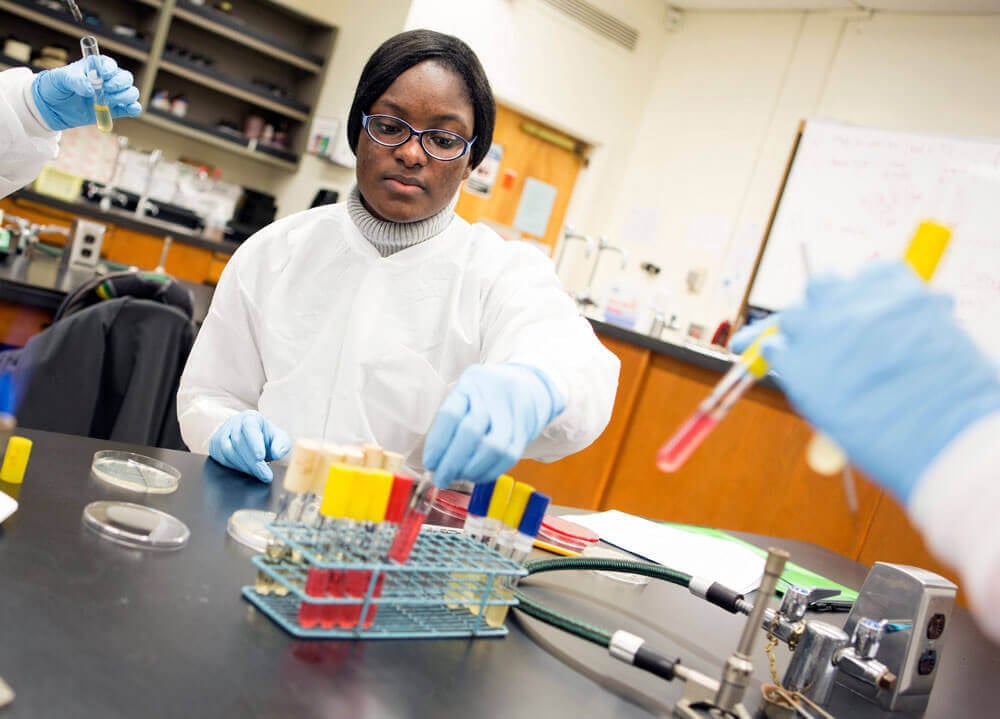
(956, 507)
(326, 338)
(26, 142)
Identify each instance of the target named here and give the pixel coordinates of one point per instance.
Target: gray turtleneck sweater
(391, 237)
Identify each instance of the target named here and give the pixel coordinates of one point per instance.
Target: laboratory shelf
(8, 61)
(213, 136)
(239, 89)
(259, 40)
(446, 589)
(62, 21)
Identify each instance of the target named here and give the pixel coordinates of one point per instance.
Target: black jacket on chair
(110, 371)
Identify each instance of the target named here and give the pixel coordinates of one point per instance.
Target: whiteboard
(853, 194)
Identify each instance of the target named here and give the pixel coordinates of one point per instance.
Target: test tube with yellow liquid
(92, 60)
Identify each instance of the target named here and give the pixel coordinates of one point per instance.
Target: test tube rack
(443, 590)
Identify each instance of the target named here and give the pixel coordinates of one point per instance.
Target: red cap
(399, 498)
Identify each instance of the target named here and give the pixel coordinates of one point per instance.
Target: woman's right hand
(246, 442)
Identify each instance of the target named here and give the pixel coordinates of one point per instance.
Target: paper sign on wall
(484, 177)
(535, 207)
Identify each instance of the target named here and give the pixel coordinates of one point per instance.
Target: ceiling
(950, 7)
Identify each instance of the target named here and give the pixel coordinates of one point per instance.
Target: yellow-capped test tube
(92, 58)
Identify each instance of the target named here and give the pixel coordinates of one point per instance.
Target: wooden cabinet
(749, 475)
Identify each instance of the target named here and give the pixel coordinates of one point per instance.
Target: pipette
(748, 369)
(92, 58)
(74, 10)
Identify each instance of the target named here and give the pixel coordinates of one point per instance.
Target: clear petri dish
(450, 509)
(599, 552)
(563, 536)
(249, 528)
(134, 472)
(135, 525)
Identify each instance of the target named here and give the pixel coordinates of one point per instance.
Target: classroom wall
(725, 103)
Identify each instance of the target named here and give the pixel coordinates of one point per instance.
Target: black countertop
(95, 629)
(128, 220)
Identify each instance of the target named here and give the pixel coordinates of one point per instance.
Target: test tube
(475, 520)
(392, 461)
(517, 546)
(92, 58)
(372, 455)
(399, 498)
(498, 505)
(346, 549)
(332, 510)
(358, 581)
(294, 489)
(416, 512)
(750, 367)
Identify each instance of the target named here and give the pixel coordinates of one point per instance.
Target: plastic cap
(380, 483)
(361, 492)
(752, 358)
(372, 456)
(519, 497)
(392, 461)
(339, 483)
(15, 461)
(534, 513)
(926, 247)
(299, 475)
(479, 503)
(399, 498)
(353, 457)
(501, 495)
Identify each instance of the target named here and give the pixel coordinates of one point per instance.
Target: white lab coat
(312, 327)
(26, 142)
(956, 507)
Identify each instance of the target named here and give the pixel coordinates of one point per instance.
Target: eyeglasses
(390, 131)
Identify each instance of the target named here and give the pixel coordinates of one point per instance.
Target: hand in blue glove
(246, 442)
(65, 97)
(484, 424)
(748, 333)
(878, 363)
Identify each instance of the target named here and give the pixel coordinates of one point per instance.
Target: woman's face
(404, 184)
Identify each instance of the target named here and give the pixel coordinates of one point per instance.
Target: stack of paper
(729, 563)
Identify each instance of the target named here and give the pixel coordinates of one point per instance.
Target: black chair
(130, 283)
(109, 371)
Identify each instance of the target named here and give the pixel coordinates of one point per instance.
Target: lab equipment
(479, 504)
(745, 371)
(571, 235)
(449, 509)
(561, 536)
(250, 527)
(92, 58)
(518, 402)
(134, 472)
(134, 525)
(74, 10)
(368, 549)
(584, 298)
(413, 519)
(246, 441)
(912, 648)
(402, 487)
(332, 510)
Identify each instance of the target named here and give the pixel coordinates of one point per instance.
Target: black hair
(401, 52)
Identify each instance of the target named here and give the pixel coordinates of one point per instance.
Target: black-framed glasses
(390, 131)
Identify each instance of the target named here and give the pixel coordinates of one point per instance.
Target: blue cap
(534, 513)
(480, 500)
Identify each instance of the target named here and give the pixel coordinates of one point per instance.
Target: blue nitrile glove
(65, 97)
(748, 333)
(878, 363)
(491, 414)
(246, 442)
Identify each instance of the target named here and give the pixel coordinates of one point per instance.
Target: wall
(725, 103)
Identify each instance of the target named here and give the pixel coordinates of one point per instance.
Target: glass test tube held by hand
(92, 56)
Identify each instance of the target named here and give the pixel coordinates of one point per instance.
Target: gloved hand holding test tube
(923, 254)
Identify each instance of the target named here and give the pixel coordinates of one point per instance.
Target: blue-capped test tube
(92, 63)
(516, 545)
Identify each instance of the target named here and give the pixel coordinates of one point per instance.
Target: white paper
(699, 555)
(535, 207)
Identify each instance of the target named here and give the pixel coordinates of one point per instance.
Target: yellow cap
(519, 497)
(299, 475)
(501, 495)
(926, 247)
(339, 483)
(15, 461)
(751, 357)
(361, 492)
(381, 486)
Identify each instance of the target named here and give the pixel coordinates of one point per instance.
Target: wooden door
(530, 150)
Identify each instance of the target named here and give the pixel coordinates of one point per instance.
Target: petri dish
(597, 552)
(135, 525)
(449, 509)
(134, 472)
(563, 536)
(249, 528)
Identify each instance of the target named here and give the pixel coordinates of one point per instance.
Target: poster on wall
(535, 207)
(484, 177)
